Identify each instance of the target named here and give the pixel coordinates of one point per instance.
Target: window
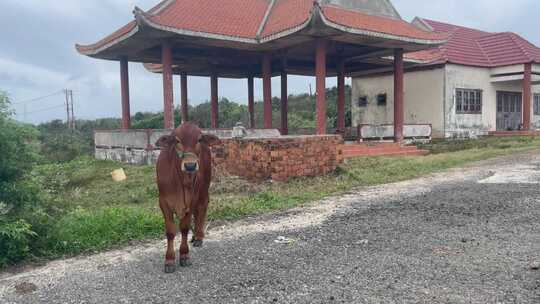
(381, 99)
(468, 101)
(362, 101)
(536, 104)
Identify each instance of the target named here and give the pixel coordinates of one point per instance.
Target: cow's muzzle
(190, 167)
(189, 161)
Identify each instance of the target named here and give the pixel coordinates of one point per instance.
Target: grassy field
(95, 213)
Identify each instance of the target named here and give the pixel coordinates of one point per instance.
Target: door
(509, 113)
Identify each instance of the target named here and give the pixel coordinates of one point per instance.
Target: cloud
(38, 55)
(29, 75)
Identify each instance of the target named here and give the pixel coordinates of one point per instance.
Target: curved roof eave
(107, 42)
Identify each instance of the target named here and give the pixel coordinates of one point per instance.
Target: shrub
(60, 144)
(19, 196)
(14, 241)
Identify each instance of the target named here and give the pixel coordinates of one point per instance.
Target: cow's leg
(184, 247)
(170, 232)
(200, 221)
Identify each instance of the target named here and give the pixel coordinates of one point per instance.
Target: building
(263, 38)
(478, 82)
(259, 39)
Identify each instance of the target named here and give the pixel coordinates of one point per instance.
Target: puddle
(520, 174)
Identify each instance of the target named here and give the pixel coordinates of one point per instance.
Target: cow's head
(188, 142)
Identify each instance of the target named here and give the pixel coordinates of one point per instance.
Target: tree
(18, 155)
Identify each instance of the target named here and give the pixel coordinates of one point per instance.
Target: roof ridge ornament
(265, 20)
(139, 15)
(316, 21)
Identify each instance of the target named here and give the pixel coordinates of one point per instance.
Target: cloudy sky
(37, 55)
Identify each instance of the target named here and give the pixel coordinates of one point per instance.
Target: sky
(38, 58)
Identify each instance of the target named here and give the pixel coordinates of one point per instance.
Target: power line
(38, 98)
(45, 109)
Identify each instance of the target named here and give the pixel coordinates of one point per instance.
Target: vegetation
(445, 145)
(16, 196)
(301, 113)
(55, 200)
(88, 212)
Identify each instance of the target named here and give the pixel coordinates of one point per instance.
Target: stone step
(395, 148)
(379, 149)
(387, 153)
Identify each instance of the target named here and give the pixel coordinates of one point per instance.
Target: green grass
(98, 214)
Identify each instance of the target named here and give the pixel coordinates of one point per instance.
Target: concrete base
(127, 155)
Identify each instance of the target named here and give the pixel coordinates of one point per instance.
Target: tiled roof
(286, 15)
(384, 25)
(257, 21)
(238, 18)
(473, 47)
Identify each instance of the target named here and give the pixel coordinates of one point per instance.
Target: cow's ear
(166, 141)
(209, 139)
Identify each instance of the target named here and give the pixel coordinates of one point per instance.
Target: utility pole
(72, 111)
(70, 118)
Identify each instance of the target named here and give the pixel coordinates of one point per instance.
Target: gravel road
(469, 235)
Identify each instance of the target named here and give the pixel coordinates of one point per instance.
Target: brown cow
(183, 174)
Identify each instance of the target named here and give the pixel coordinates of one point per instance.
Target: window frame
(536, 104)
(469, 101)
(363, 101)
(382, 99)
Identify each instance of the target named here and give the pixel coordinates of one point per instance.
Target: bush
(60, 144)
(14, 241)
(19, 197)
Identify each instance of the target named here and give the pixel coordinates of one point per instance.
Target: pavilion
(264, 38)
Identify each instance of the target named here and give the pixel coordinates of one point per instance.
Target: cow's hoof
(184, 262)
(170, 268)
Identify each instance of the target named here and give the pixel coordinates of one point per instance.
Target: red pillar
(184, 97)
(214, 100)
(168, 102)
(320, 74)
(341, 98)
(267, 90)
(284, 104)
(124, 85)
(251, 103)
(527, 75)
(398, 95)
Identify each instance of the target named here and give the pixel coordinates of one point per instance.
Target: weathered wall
(477, 78)
(464, 77)
(422, 100)
(254, 158)
(425, 101)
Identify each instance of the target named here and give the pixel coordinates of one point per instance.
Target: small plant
(15, 241)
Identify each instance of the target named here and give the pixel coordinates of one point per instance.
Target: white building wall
(466, 77)
(430, 98)
(422, 100)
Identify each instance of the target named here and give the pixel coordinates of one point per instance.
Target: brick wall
(263, 155)
(279, 158)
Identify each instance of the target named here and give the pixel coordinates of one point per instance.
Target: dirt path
(467, 235)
